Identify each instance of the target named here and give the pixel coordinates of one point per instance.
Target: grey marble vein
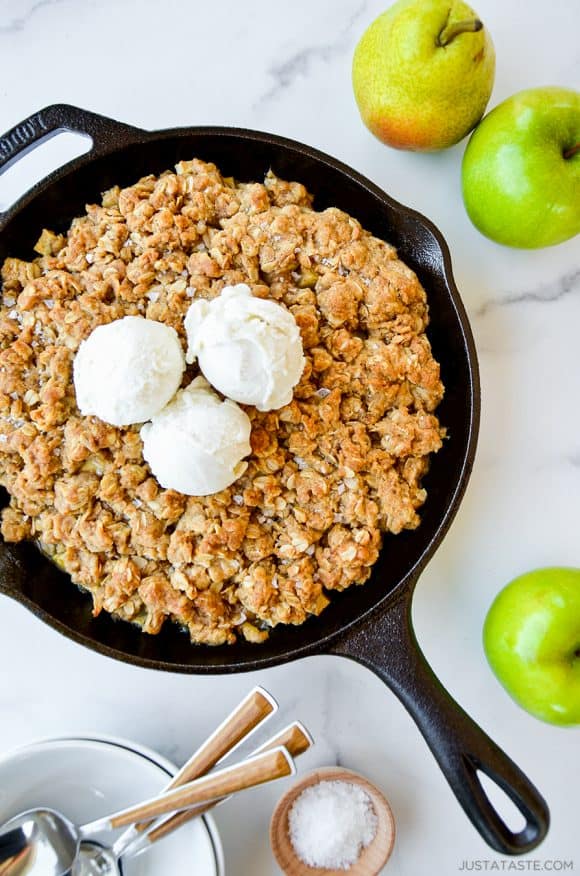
(568, 284)
(301, 62)
(19, 21)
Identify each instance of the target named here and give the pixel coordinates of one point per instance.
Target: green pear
(423, 73)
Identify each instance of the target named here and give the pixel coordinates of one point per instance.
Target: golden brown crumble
(328, 473)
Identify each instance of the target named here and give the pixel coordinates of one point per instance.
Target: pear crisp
(329, 473)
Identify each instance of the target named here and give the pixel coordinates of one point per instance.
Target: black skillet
(370, 624)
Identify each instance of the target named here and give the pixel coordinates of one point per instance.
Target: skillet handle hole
(48, 154)
(502, 803)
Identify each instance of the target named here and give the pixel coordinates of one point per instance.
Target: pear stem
(568, 153)
(450, 31)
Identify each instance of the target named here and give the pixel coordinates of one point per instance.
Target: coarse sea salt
(331, 823)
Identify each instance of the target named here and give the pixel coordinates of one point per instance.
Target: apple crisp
(329, 473)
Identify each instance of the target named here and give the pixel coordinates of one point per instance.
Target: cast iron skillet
(370, 624)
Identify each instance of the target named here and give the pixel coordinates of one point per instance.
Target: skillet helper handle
(105, 133)
(387, 645)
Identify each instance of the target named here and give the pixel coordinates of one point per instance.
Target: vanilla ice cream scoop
(248, 348)
(196, 444)
(127, 370)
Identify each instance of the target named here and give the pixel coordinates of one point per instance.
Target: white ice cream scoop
(127, 370)
(196, 444)
(249, 348)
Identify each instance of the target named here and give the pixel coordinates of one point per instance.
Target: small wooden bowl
(372, 859)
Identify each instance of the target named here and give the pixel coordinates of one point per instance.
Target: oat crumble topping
(328, 474)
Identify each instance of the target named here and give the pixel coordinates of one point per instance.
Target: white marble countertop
(285, 67)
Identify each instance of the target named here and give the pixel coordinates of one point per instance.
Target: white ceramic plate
(88, 778)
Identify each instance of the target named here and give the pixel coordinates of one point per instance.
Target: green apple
(423, 73)
(521, 169)
(531, 638)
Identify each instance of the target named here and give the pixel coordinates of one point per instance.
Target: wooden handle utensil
(266, 767)
(295, 738)
(254, 709)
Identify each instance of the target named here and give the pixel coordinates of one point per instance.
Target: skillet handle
(105, 133)
(387, 645)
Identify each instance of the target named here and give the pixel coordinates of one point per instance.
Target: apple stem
(450, 31)
(568, 153)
